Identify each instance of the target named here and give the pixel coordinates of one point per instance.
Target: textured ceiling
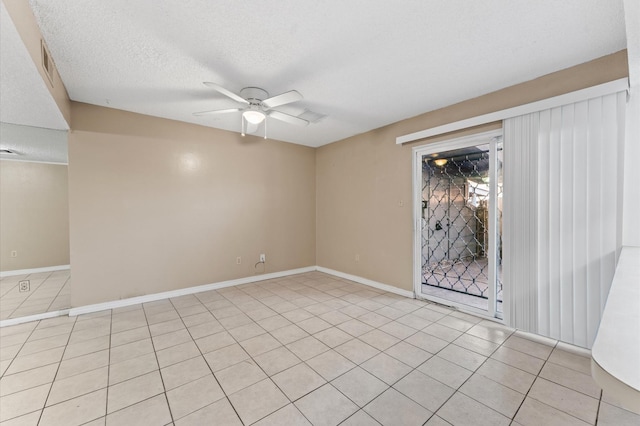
(632, 24)
(363, 63)
(34, 143)
(27, 110)
(25, 99)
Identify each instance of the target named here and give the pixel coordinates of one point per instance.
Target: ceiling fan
(257, 105)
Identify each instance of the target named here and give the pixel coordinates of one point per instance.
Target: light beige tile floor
(49, 291)
(306, 349)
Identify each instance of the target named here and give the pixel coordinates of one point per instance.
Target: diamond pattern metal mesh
(455, 198)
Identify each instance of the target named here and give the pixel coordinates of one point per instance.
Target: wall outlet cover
(24, 285)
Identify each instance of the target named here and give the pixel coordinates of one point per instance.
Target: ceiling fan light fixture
(253, 116)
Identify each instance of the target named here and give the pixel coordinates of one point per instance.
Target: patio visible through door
(459, 191)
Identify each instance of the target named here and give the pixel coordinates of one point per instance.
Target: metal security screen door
(458, 223)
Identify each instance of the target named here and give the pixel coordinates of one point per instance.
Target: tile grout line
(401, 340)
(474, 371)
(513, 419)
(302, 290)
(155, 353)
(28, 277)
(205, 360)
(257, 364)
(456, 390)
(31, 294)
(558, 384)
(58, 293)
(537, 375)
(330, 349)
(532, 383)
(34, 353)
(106, 399)
(17, 353)
(202, 355)
(7, 292)
(599, 406)
(57, 370)
(379, 352)
(307, 365)
(284, 346)
(14, 358)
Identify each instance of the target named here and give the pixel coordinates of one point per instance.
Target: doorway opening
(458, 234)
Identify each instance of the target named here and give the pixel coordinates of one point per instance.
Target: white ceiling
(632, 24)
(34, 143)
(27, 110)
(25, 99)
(364, 63)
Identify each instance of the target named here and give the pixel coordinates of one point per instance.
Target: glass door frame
(485, 138)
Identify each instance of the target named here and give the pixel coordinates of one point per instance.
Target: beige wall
(158, 205)
(34, 215)
(364, 183)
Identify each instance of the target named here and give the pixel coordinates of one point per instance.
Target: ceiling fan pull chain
(265, 127)
(242, 125)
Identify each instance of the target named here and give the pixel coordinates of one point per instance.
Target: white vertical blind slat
(544, 298)
(520, 180)
(594, 216)
(621, 105)
(566, 242)
(571, 225)
(581, 174)
(554, 166)
(610, 205)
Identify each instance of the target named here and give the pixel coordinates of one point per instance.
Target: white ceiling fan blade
(285, 98)
(288, 118)
(226, 92)
(217, 111)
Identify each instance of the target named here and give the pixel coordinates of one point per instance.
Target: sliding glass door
(458, 200)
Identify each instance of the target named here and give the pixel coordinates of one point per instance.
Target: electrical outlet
(263, 258)
(14, 253)
(238, 260)
(24, 285)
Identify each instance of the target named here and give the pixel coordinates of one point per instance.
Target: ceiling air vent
(312, 117)
(47, 62)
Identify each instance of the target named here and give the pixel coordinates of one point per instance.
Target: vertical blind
(563, 216)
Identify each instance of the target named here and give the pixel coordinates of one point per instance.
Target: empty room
(287, 212)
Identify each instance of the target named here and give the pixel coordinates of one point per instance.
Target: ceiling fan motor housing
(254, 95)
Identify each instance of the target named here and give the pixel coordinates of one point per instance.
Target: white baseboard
(184, 291)
(36, 317)
(215, 286)
(578, 350)
(543, 340)
(34, 270)
(197, 289)
(567, 347)
(365, 281)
